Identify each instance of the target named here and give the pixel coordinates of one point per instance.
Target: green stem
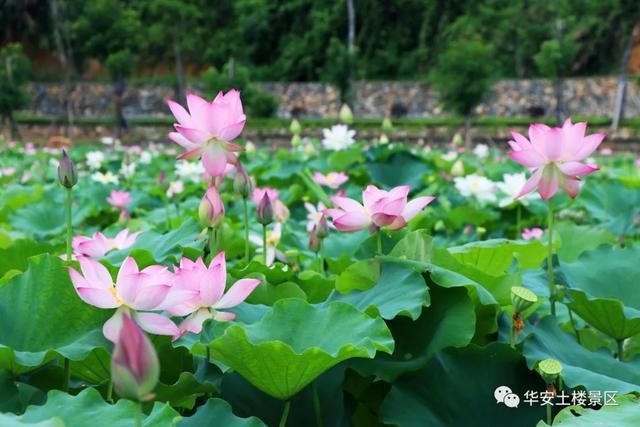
(167, 215)
(620, 350)
(138, 414)
(379, 239)
(110, 392)
(549, 415)
(264, 243)
(316, 404)
(573, 325)
(67, 376)
(285, 414)
(519, 222)
(512, 335)
(321, 262)
(552, 296)
(212, 242)
(69, 224)
(208, 355)
(246, 230)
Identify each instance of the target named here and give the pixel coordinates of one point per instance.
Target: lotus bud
(295, 128)
(387, 126)
(323, 228)
(384, 139)
(522, 298)
(458, 168)
(265, 211)
(457, 140)
(345, 115)
(550, 370)
(67, 171)
(296, 141)
(315, 242)
(135, 368)
(242, 183)
(211, 209)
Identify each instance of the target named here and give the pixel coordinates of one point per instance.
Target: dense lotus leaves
(577, 239)
(466, 376)
(37, 303)
(16, 396)
(316, 286)
(612, 204)
(341, 160)
(152, 246)
(46, 218)
(448, 322)
(361, 275)
(218, 412)
(594, 370)
(14, 197)
(607, 315)
(9, 420)
(16, 255)
(295, 342)
(625, 413)
(398, 291)
(494, 257)
(184, 392)
(75, 411)
(416, 246)
(400, 169)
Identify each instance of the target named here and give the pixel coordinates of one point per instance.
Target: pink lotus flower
(135, 368)
(332, 180)
(385, 209)
(208, 285)
(532, 233)
(134, 293)
(554, 156)
(208, 129)
(119, 199)
(99, 244)
(280, 211)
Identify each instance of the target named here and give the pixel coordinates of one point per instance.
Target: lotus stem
(379, 240)
(264, 243)
(549, 415)
(285, 414)
(212, 242)
(246, 230)
(620, 350)
(552, 296)
(110, 392)
(138, 414)
(69, 224)
(316, 404)
(67, 376)
(573, 325)
(518, 221)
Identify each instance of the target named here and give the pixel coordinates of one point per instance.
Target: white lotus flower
(481, 151)
(510, 187)
(314, 214)
(107, 140)
(128, 170)
(339, 137)
(105, 178)
(273, 238)
(146, 157)
(95, 159)
(190, 171)
(450, 156)
(476, 186)
(175, 188)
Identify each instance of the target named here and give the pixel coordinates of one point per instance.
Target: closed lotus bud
(387, 126)
(265, 210)
(323, 228)
(315, 242)
(550, 370)
(135, 368)
(295, 128)
(345, 115)
(458, 168)
(242, 183)
(67, 171)
(211, 209)
(384, 139)
(457, 140)
(296, 141)
(522, 298)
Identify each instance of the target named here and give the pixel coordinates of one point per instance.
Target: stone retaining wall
(592, 97)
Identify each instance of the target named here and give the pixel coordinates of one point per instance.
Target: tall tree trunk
(558, 85)
(14, 131)
(351, 48)
(621, 95)
(119, 87)
(63, 48)
(180, 80)
(467, 131)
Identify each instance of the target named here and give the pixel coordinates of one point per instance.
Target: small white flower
(476, 186)
(314, 215)
(105, 178)
(339, 137)
(273, 238)
(190, 171)
(175, 188)
(128, 170)
(510, 187)
(107, 140)
(146, 157)
(450, 156)
(95, 159)
(481, 151)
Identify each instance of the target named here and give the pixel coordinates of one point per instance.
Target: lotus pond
(254, 287)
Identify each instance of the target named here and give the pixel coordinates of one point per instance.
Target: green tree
(462, 77)
(14, 75)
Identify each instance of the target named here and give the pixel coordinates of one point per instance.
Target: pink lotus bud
(135, 368)
(67, 174)
(211, 210)
(242, 182)
(265, 210)
(323, 228)
(315, 241)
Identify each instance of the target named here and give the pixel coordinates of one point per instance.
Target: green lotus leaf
(456, 388)
(218, 412)
(626, 413)
(494, 257)
(360, 275)
(612, 204)
(400, 169)
(607, 315)
(296, 342)
(43, 316)
(595, 370)
(16, 255)
(416, 246)
(577, 239)
(76, 411)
